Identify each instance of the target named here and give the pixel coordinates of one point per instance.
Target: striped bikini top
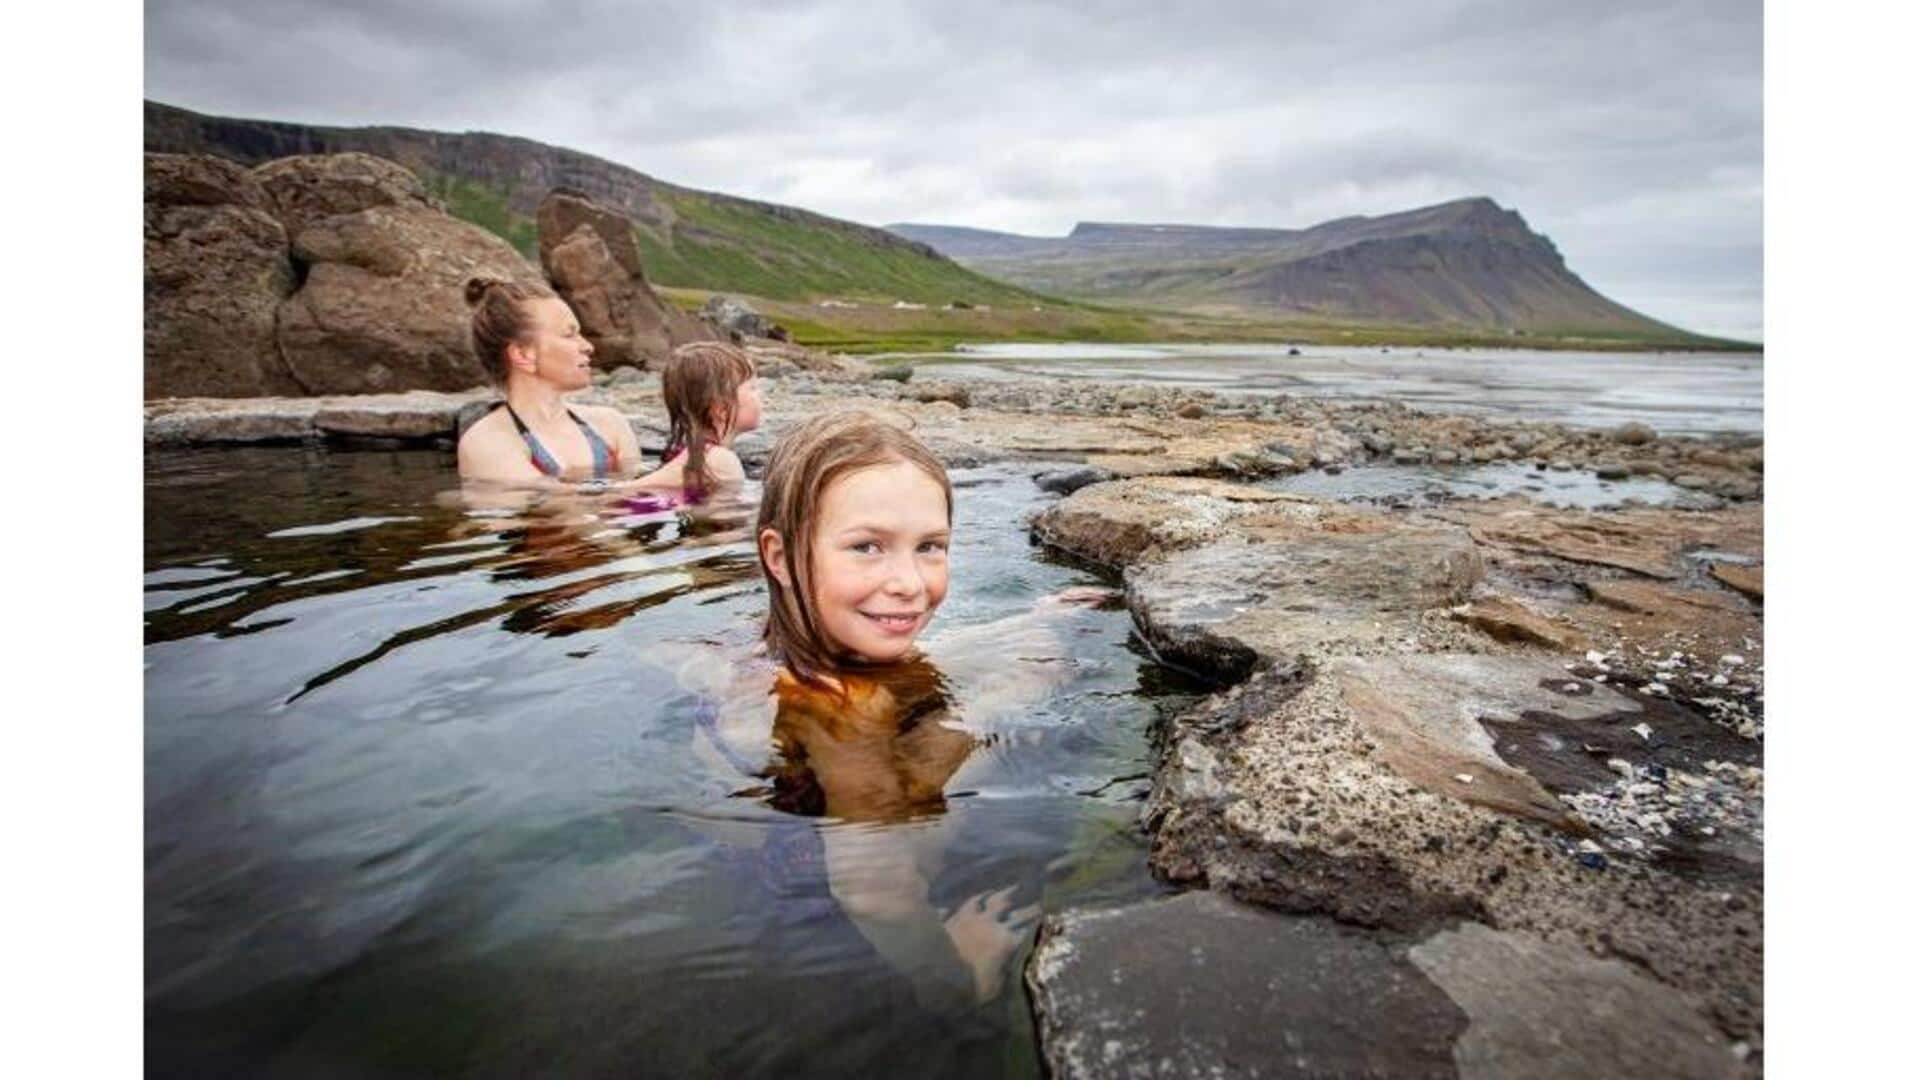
(606, 459)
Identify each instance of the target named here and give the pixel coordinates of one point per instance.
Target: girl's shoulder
(724, 463)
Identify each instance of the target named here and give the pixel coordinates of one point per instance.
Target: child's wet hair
(500, 318)
(805, 462)
(699, 378)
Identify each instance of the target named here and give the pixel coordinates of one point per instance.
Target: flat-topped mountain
(1468, 264)
(696, 239)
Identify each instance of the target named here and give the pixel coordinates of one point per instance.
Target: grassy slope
(737, 247)
(471, 201)
(785, 264)
(879, 328)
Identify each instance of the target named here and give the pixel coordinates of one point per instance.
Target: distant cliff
(687, 238)
(1467, 264)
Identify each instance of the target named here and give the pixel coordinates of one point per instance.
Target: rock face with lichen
(590, 255)
(315, 274)
(217, 270)
(383, 308)
(1516, 736)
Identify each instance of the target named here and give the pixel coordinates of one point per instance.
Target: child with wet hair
(855, 522)
(712, 396)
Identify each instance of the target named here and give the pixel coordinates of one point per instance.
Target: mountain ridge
(1466, 262)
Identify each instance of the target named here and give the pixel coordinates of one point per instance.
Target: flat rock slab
(1748, 581)
(1276, 594)
(1426, 715)
(1506, 619)
(1382, 790)
(1222, 576)
(417, 414)
(1200, 985)
(1539, 1009)
(1650, 542)
(1117, 522)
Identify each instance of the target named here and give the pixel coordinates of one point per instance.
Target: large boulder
(312, 187)
(590, 255)
(216, 272)
(736, 316)
(383, 306)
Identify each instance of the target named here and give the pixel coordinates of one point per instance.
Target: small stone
(1732, 660)
(1596, 658)
(1465, 778)
(1633, 434)
(1643, 730)
(1621, 767)
(1593, 861)
(1656, 688)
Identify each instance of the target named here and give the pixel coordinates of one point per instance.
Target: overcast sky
(1629, 132)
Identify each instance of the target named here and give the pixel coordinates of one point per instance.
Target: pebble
(1645, 732)
(1465, 778)
(1620, 766)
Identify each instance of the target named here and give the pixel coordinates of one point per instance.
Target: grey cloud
(1630, 132)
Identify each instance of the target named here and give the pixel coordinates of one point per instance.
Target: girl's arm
(1012, 663)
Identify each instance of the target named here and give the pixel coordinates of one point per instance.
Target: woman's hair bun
(477, 288)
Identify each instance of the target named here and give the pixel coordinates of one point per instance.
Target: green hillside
(723, 244)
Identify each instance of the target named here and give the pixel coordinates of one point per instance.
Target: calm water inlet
(1675, 393)
(429, 790)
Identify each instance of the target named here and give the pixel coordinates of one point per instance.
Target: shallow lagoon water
(424, 796)
(1675, 393)
(1422, 485)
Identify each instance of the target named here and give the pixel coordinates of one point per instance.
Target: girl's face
(555, 352)
(879, 559)
(746, 407)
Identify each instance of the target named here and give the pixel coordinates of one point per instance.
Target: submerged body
(873, 759)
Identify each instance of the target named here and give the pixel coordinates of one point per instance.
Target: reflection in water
(435, 795)
(876, 755)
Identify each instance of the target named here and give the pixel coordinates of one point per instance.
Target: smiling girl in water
(866, 730)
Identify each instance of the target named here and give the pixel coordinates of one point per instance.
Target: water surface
(425, 796)
(1675, 393)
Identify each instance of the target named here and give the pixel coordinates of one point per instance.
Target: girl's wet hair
(700, 378)
(805, 462)
(500, 318)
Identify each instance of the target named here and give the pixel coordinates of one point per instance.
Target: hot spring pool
(425, 796)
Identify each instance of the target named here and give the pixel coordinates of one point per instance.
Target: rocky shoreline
(1496, 763)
